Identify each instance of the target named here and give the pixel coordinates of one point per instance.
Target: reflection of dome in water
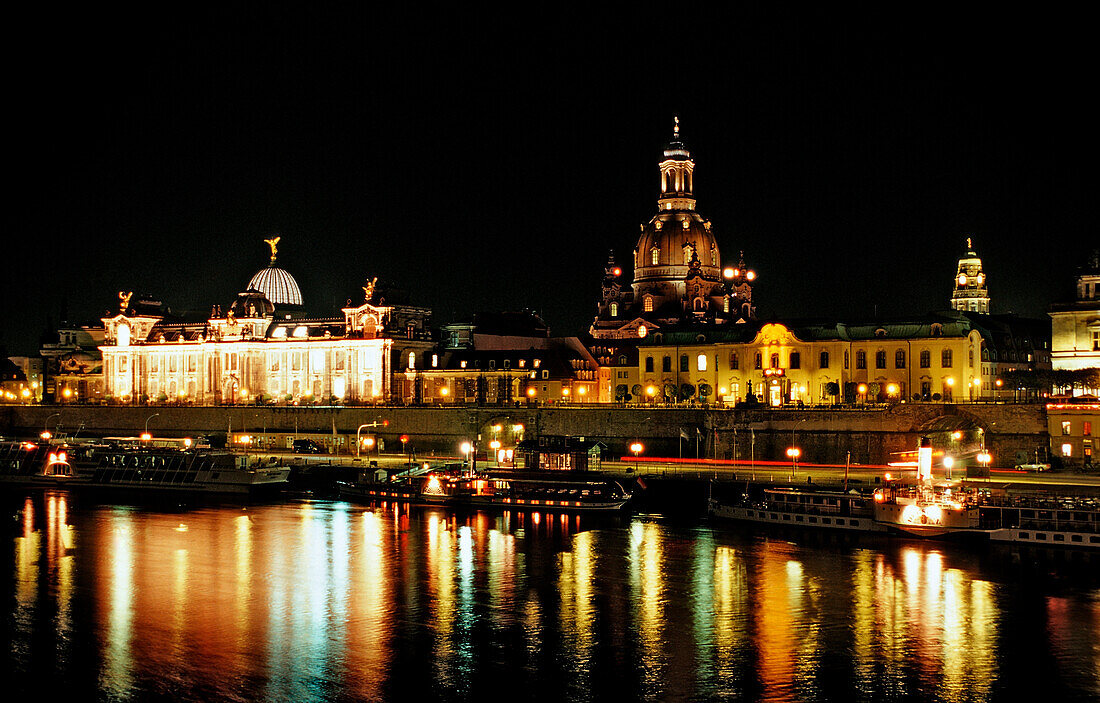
(277, 285)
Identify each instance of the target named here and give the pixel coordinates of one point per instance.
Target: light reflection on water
(319, 601)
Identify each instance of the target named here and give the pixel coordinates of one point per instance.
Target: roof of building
(277, 285)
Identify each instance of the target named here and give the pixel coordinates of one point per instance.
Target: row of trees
(1064, 380)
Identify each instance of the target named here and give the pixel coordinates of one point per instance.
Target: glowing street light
(636, 448)
(794, 453)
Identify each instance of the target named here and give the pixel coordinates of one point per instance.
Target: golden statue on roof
(124, 300)
(368, 290)
(273, 242)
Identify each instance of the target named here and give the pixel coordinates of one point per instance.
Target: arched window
(726, 305)
(735, 361)
(666, 364)
(412, 360)
(699, 304)
(899, 359)
(757, 361)
(614, 309)
(683, 362)
(861, 359)
(796, 360)
(654, 255)
(925, 359)
(649, 364)
(945, 359)
(846, 359)
(880, 359)
(824, 360)
(647, 303)
(701, 362)
(775, 361)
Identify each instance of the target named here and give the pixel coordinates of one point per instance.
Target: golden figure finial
(274, 249)
(676, 126)
(368, 290)
(969, 246)
(124, 300)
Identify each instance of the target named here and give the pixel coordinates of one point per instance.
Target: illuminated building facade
(507, 359)
(971, 293)
(1075, 334)
(936, 359)
(1073, 431)
(260, 352)
(679, 279)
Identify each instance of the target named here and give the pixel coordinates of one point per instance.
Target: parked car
(1033, 467)
(307, 446)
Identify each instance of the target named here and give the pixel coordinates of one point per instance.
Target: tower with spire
(678, 274)
(971, 292)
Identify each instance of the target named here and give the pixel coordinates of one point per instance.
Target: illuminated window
(701, 362)
(317, 360)
(945, 359)
(735, 361)
(775, 361)
(824, 359)
(124, 335)
(412, 360)
(273, 361)
(435, 361)
(647, 304)
(1096, 340)
(614, 309)
(726, 304)
(1067, 450)
(172, 363)
(296, 361)
(1086, 428)
(1065, 427)
(688, 252)
(757, 360)
(339, 363)
(654, 255)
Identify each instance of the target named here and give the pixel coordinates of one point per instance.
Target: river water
(326, 600)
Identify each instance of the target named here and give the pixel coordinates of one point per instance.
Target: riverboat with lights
(523, 491)
(138, 464)
(833, 510)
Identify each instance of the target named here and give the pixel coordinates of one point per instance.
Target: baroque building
(263, 349)
(1075, 337)
(679, 279)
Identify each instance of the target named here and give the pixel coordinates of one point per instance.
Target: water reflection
(315, 601)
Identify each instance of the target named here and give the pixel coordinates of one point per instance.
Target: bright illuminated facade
(679, 278)
(971, 293)
(1073, 431)
(1075, 334)
(257, 352)
(935, 359)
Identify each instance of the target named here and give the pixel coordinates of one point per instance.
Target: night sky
(483, 162)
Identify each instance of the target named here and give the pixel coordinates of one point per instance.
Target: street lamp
(495, 446)
(794, 453)
(984, 458)
(637, 448)
(862, 388)
(147, 421)
(46, 426)
(466, 447)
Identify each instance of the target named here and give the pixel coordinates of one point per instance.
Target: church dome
(277, 285)
(668, 242)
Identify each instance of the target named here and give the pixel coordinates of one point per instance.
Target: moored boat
(579, 493)
(138, 464)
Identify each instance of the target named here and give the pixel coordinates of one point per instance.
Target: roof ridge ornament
(273, 243)
(676, 127)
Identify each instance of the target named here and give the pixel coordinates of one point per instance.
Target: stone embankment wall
(824, 435)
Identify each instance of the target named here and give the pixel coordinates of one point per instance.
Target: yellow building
(1075, 342)
(936, 360)
(1073, 428)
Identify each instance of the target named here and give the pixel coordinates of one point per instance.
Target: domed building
(971, 293)
(277, 285)
(679, 279)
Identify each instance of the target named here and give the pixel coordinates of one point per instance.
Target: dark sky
(489, 163)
